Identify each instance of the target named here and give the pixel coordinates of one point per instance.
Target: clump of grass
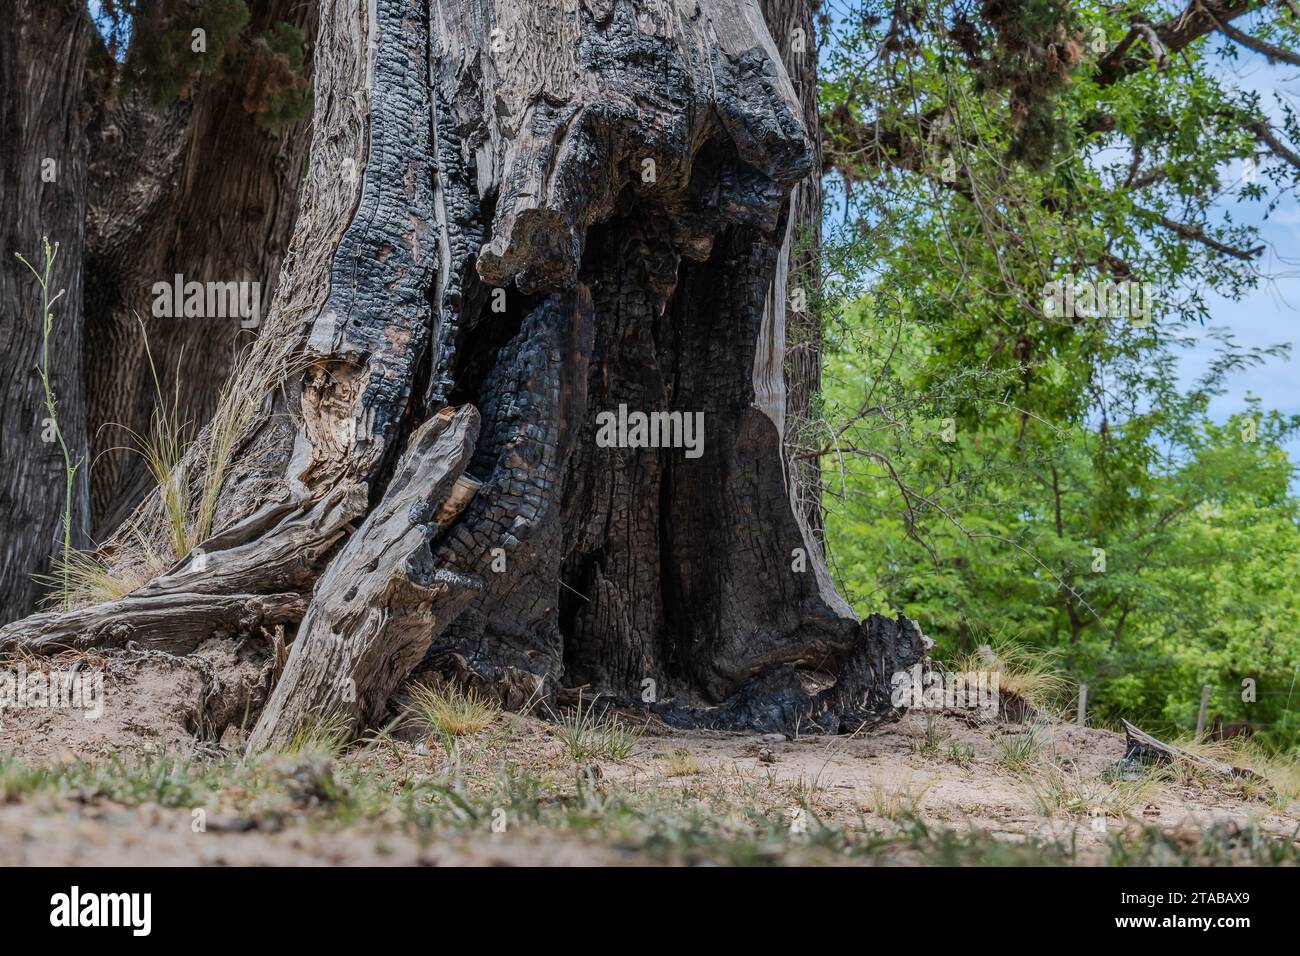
(254, 376)
(899, 802)
(451, 711)
(189, 503)
(1019, 752)
(1192, 774)
(1060, 791)
(588, 734)
(85, 578)
(189, 473)
(164, 780)
(1283, 775)
(164, 451)
(930, 740)
(18, 779)
(963, 755)
(1028, 678)
(90, 578)
(682, 763)
(1276, 778)
(326, 735)
(1223, 844)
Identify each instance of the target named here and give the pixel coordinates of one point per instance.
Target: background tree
(196, 163)
(985, 443)
(146, 150)
(43, 192)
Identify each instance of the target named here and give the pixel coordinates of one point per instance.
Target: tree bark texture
(140, 194)
(564, 206)
(42, 193)
(794, 32)
(197, 189)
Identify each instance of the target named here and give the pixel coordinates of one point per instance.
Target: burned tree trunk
(569, 215)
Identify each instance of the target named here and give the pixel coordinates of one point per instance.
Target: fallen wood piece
(384, 598)
(176, 622)
(225, 586)
(1141, 747)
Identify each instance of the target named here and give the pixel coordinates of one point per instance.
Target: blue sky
(1268, 314)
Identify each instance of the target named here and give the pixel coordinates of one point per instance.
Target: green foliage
(1002, 532)
(175, 47)
(1000, 470)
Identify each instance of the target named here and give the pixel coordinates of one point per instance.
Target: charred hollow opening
(492, 318)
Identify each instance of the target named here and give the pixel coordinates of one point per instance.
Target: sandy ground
(858, 782)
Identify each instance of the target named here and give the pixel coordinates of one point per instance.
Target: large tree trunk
(42, 193)
(200, 189)
(564, 207)
(197, 188)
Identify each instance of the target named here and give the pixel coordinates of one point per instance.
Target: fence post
(1081, 718)
(1200, 718)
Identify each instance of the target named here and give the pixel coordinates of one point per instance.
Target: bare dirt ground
(686, 797)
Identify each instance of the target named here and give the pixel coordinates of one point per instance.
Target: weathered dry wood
(383, 599)
(237, 584)
(1141, 747)
(287, 556)
(175, 621)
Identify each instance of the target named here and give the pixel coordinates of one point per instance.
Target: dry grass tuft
(254, 377)
(189, 474)
(901, 801)
(681, 763)
(587, 734)
(1027, 676)
(1278, 779)
(1066, 791)
(325, 736)
(451, 712)
(88, 577)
